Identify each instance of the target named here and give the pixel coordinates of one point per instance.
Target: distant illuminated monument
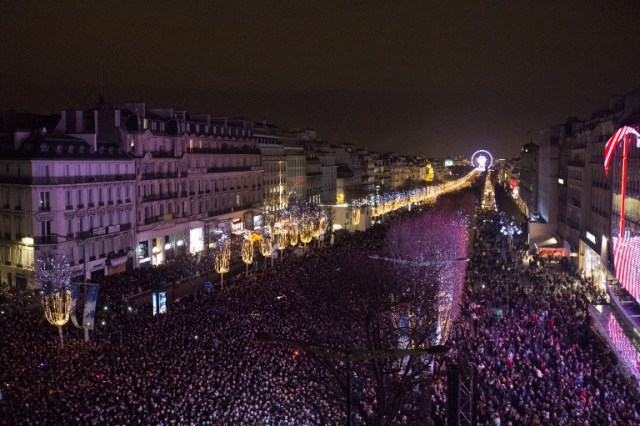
(482, 160)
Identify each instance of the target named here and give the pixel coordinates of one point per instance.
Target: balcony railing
(46, 239)
(156, 197)
(159, 175)
(228, 169)
(161, 154)
(63, 180)
(224, 150)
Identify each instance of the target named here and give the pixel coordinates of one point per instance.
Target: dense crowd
(524, 329)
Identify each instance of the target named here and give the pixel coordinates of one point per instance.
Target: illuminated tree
(358, 297)
(293, 235)
(266, 248)
(222, 260)
(283, 240)
(53, 274)
(306, 233)
(247, 253)
(437, 241)
(355, 214)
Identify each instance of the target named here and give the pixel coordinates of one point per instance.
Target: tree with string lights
(283, 241)
(247, 252)
(267, 248)
(53, 274)
(222, 260)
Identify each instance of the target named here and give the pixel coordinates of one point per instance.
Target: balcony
(228, 169)
(157, 197)
(45, 208)
(64, 180)
(224, 150)
(161, 154)
(573, 224)
(163, 175)
(575, 202)
(46, 239)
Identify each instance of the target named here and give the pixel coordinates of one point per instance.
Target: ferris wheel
(482, 160)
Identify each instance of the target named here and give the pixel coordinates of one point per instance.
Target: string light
(53, 272)
(222, 259)
(247, 252)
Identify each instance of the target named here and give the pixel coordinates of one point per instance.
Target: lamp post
(349, 356)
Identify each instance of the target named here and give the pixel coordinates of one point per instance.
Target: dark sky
(418, 77)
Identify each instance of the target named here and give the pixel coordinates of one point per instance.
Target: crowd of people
(524, 330)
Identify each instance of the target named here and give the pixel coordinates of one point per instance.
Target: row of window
(187, 208)
(199, 186)
(91, 169)
(102, 195)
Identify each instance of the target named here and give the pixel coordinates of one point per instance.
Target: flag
(75, 289)
(90, 306)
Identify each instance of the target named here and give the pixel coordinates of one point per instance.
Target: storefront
(117, 265)
(590, 263)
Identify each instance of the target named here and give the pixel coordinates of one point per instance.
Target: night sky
(416, 77)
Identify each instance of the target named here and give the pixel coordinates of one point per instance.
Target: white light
(561, 181)
(167, 246)
(591, 237)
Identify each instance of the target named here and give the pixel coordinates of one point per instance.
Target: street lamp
(349, 356)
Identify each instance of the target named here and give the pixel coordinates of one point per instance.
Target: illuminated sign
(159, 302)
(626, 240)
(591, 237)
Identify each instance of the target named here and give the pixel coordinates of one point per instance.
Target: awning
(117, 261)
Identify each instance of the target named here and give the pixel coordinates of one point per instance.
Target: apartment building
(189, 169)
(68, 193)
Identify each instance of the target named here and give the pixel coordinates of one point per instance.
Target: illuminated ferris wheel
(482, 160)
